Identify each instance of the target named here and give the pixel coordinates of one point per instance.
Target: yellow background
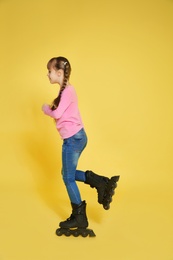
(121, 54)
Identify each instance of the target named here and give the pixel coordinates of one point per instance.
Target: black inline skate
(76, 225)
(105, 187)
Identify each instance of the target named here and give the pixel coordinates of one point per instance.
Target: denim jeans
(71, 150)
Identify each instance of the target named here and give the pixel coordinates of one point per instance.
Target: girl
(65, 112)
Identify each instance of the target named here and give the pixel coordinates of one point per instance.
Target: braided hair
(60, 63)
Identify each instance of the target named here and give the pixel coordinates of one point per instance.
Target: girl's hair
(60, 63)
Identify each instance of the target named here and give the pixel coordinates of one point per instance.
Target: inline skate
(76, 225)
(105, 187)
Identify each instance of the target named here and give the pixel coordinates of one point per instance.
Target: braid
(60, 63)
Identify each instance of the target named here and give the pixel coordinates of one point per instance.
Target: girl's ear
(60, 72)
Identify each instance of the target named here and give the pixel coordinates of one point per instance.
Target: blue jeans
(71, 150)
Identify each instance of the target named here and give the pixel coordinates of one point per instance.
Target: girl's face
(55, 76)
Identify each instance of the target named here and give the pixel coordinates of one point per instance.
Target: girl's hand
(45, 108)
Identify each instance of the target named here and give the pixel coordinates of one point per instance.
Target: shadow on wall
(46, 171)
(45, 166)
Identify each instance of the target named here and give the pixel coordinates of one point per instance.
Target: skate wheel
(106, 207)
(75, 233)
(84, 234)
(108, 200)
(114, 185)
(112, 192)
(67, 233)
(58, 232)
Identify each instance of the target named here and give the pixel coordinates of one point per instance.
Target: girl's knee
(68, 179)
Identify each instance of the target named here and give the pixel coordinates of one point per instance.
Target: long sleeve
(67, 115)
(66, 100)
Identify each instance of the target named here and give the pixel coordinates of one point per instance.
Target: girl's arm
(47, 110)
(66, 100)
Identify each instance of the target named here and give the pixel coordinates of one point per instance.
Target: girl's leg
(71, 151)
(80, 176)
(68, 173)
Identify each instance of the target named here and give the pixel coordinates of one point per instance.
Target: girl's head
(59, 70)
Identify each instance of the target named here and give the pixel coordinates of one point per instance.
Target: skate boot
(76, 224)
(105, 187)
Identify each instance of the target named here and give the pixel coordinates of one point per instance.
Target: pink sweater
(67, 115)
